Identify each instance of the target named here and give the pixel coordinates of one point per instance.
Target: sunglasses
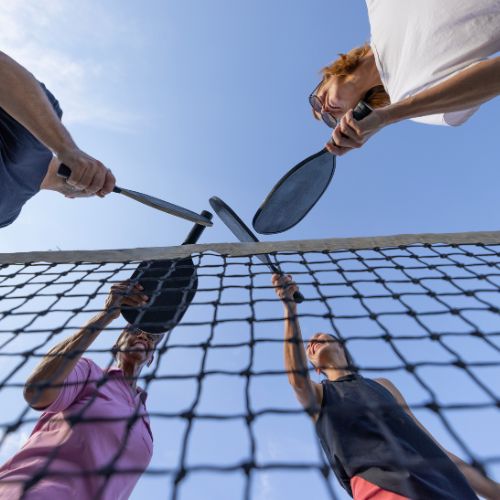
(317, 106)
(155, 337)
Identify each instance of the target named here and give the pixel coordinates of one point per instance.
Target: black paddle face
(295, 194)
(170, 286)
(232, 221)
(244, 234)
(300, 189)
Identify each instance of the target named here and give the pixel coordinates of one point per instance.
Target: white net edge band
(245, 249)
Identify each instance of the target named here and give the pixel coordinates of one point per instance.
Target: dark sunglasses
(317, 106)
(155, 337)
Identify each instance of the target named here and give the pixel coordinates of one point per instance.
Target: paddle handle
(195, 233)
(298, 297)
(65, 171)
(361, 111)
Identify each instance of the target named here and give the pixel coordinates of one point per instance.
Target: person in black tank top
(375, 445)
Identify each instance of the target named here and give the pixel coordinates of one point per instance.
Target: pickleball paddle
(244, 234)
(170, 285)
(296, 193)
(150, 201)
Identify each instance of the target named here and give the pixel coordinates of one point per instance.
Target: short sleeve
(452, 119)
(73, 385)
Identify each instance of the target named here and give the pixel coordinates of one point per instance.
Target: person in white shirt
(430, 61)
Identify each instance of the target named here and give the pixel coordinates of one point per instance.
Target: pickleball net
(421, 310)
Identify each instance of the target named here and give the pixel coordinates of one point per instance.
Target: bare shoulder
(387, 384)
(310, 396)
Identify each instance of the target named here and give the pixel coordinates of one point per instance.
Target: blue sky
(185, 100)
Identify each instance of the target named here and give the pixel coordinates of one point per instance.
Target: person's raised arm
(481, 484)
(468, 88)
(22, 97)
(44, 384)
(307, 392)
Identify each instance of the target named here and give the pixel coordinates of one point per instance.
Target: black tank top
(365, 432)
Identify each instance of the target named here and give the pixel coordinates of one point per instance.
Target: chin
(135, 356)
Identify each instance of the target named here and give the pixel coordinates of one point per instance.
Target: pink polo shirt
(85, 446)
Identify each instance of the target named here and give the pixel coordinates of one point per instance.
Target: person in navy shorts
(34, 142)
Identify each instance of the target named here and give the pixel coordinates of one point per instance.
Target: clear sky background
(185, 100)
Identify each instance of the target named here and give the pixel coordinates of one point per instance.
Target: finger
(109, 183)
(121, 290)
(342, 140)
(97, 182)
(332, 148)
(353, 123)
(81, 194)
(347, 131)
(132, 302)
(75, 177)
(348, 143)
(278, 280)
(337, 136)
(350, 133)
(88, 172)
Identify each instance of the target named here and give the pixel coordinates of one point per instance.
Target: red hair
(345, 65)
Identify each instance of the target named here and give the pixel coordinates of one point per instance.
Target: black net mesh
(224, 418)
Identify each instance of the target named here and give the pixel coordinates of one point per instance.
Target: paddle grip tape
(65, 171)
(195, 233)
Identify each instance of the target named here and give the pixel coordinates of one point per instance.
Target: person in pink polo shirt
(93, 439)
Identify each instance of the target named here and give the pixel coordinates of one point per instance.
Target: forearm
(23, 98)
(468, 88)
(295, 357)
(60, 361)
(481, 484)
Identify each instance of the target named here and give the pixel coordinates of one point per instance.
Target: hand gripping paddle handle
(359, 112)
(297, 296)
(65, 171)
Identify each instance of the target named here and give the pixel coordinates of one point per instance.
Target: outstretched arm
(308, 392)
(481, 484)
(22, 97)
(468, 88)
(44, 384)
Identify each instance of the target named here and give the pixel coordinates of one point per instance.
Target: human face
(137, 346)
(324, 350)
(332, 99)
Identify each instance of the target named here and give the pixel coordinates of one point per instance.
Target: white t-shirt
(419, 43)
